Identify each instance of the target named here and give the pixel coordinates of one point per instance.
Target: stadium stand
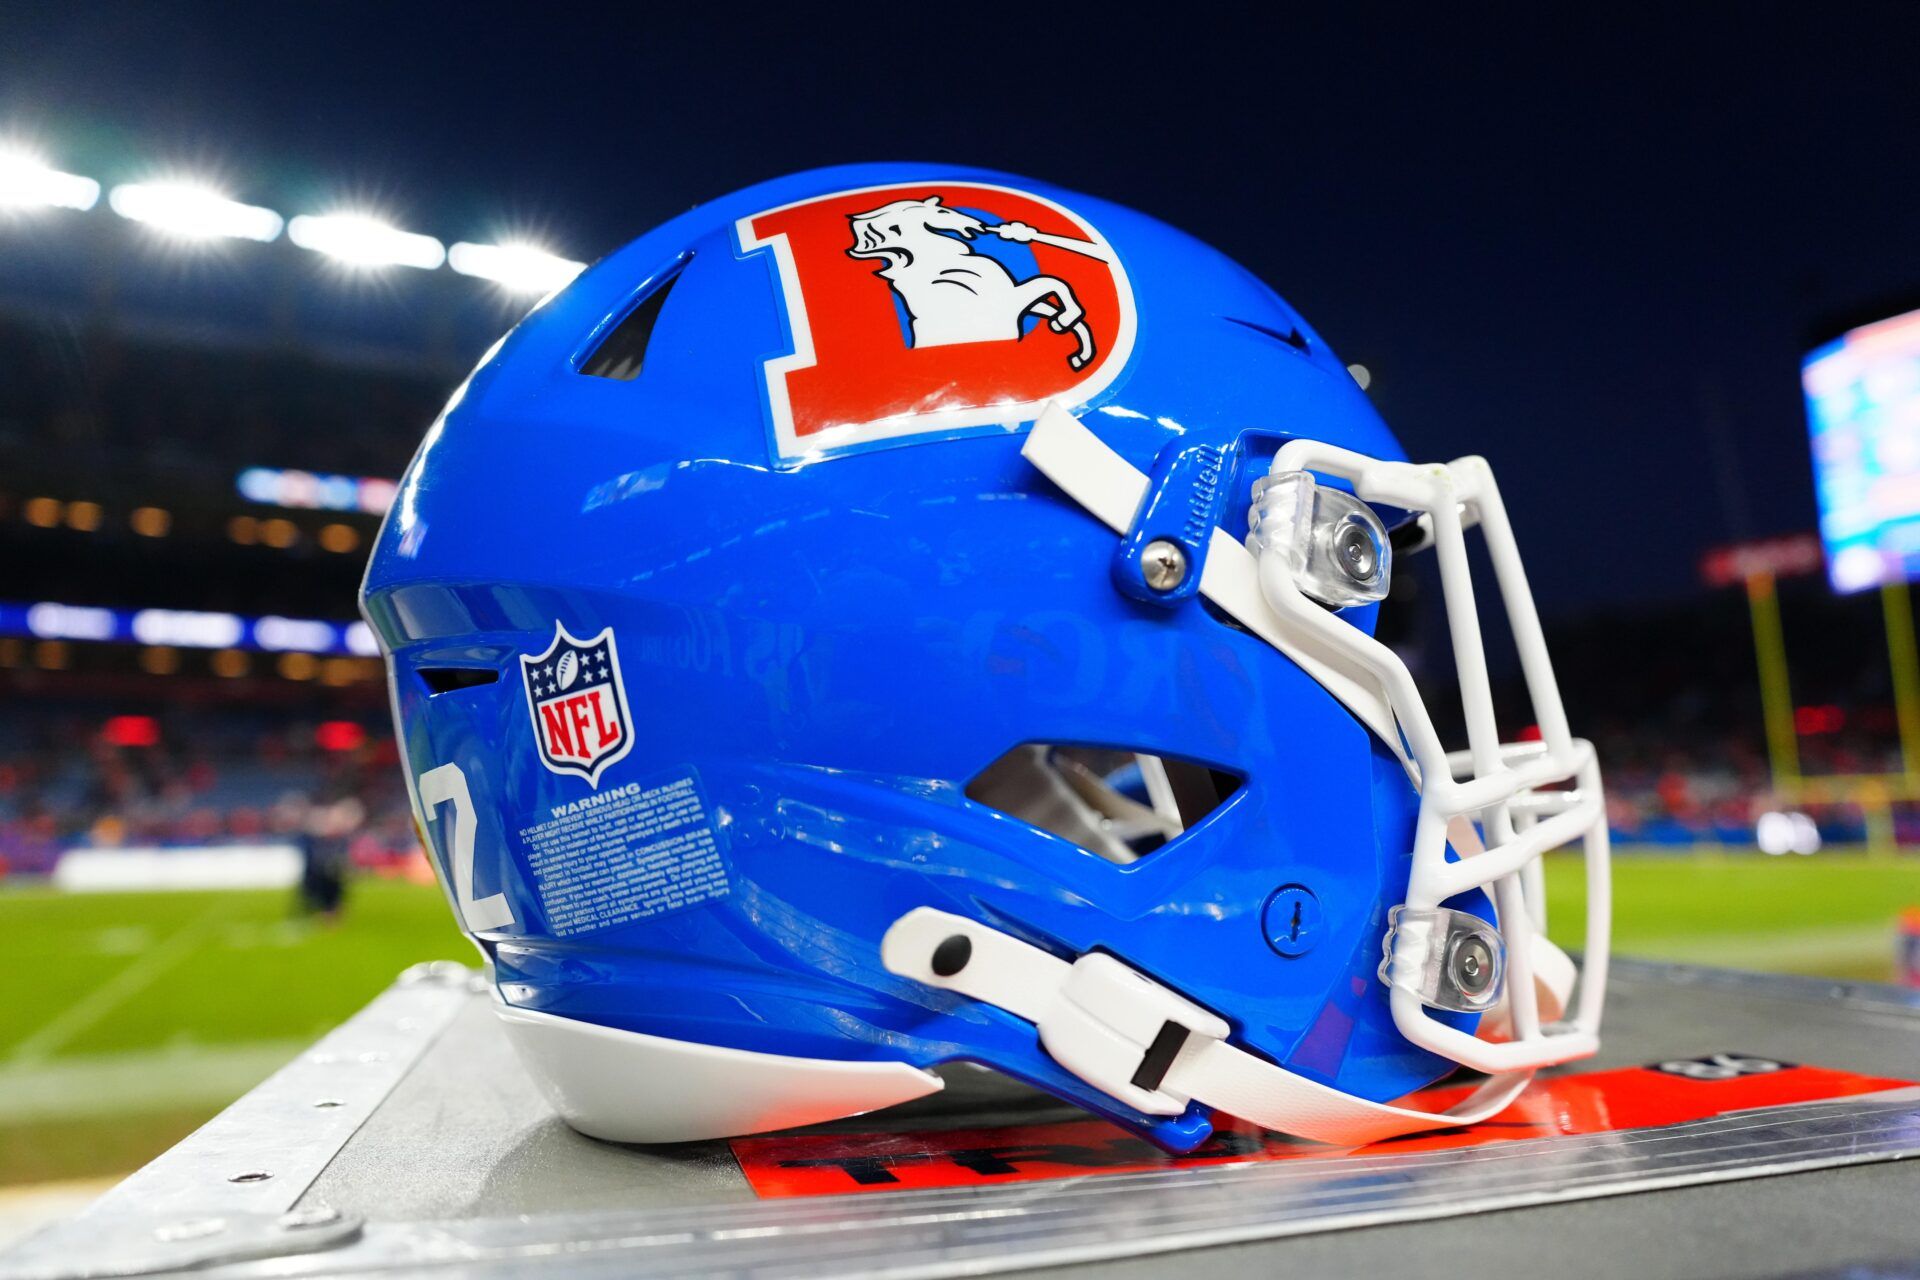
(182, 776)
(138, 382)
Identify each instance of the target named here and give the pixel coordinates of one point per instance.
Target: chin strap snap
(1146, 1046)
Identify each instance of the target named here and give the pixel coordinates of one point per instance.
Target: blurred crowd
(1709, 788)
(194, 777)
(70, 777)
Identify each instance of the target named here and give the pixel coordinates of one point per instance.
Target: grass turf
(119, 972)
(1832, 915)
(143, 1014)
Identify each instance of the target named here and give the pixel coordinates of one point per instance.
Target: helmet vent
(1291, 335)
(623, 352)
(1118, 803)
(452, 679)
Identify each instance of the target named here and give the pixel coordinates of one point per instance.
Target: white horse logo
(952, 293)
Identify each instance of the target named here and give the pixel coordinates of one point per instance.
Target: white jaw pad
(624, 1086)
(1111, 489)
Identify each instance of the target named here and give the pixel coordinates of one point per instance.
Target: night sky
(1592, 248)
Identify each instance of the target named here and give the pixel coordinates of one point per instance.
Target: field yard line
(139, 1083)
(115, 991)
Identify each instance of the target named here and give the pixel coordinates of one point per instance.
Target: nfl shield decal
(578, 703)
(935, 308)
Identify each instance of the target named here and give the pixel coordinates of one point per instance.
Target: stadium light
(295, 635)
(187, 629)
(131, 731)
(520, 268)
(315, 491)
(193, 212)
(51, 621)
(339, 735)
(361, 241)
(359, 637)
(27, 182)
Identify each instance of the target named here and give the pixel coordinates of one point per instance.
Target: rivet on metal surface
(192, 1229)
(1163, 564)
(445, 973)
(318, 1215)
(154, 1221)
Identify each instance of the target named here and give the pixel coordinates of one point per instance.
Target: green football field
(142, 1014)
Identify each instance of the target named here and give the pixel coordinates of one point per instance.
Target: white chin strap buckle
(1121, 1033)
(1104, 1022)
(1144, 1045)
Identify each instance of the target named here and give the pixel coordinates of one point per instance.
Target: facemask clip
(1333, 542)
(1448, 959)
(1162, 555)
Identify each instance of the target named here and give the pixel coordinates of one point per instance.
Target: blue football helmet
(898, 615)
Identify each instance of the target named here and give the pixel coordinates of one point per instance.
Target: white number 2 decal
(437, 787)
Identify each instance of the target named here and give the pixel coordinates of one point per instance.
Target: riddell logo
(935, 309)
(579, 704)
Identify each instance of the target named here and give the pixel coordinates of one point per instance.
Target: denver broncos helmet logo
(986, 303)
(957, 295)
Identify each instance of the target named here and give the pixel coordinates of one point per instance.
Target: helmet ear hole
(1198, 789)
(1118, 803)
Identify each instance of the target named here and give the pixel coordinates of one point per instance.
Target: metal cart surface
(409, 1141)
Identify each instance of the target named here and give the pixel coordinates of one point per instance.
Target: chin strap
(1146, 1046)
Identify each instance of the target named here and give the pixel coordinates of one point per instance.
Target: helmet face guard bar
(1500, 787)
(1516, 794)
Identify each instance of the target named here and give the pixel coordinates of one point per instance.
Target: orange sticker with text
(1666, 1093)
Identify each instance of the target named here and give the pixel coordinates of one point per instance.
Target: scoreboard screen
(1863, 410)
